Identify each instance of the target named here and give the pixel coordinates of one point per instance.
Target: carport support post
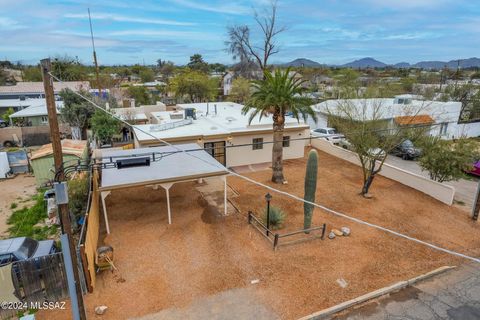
(105, 194)
(476, 204)
(224, 178)
(167, 187)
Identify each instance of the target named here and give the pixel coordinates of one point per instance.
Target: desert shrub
(78, 195)
(277, 217)
(13, 205)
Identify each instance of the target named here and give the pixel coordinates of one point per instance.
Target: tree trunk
(76, 133)
(277, 150)
(369, 178)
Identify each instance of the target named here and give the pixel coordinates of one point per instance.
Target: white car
(329, 134)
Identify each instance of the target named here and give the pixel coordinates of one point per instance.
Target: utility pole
(97, 72)
(58, 161)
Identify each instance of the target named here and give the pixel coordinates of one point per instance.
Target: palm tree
(277, 95)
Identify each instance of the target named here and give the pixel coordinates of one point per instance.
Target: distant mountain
(452, 64)
(365, 63)
(302, 62)
(402, 65)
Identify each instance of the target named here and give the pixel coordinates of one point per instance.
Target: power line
(334, 212)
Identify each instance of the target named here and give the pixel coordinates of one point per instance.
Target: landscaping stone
(345, 231)
(331, 235)
(100, 310)
(337, 232)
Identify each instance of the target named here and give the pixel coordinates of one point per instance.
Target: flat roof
(174, 166)
(36, 110)
(212, 119)
(37, 87)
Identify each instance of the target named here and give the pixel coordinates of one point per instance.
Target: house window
(443, 128)
(257, 143)
(44, 119)
(286, 141)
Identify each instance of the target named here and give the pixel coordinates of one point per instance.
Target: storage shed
(42, 159)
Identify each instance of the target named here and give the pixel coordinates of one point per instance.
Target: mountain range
(369, 62)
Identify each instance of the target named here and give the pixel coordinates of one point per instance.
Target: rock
(100, 310)
(345, 231)
(255, 281)
(331, 235)
(337, 232)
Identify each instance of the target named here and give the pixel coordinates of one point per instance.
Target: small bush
(277, 217)
(78, 195)
(13, 205)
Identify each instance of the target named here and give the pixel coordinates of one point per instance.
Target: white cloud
(9, 24)
(121, 18)
(408, 4)
(229, 8)
(166, 33)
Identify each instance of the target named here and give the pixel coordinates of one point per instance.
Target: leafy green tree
(241, 90)
(140, 94)
(69, 69)
(276, 95)
(32, 73)
(104, 126)
(6, 115)
(147, 75)
(194, 85)
(167, 69)
(76, 112)
(197, 63)
(348, 83)
(447, 160)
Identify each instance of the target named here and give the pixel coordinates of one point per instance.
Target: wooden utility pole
(58, 161)
(97, 71)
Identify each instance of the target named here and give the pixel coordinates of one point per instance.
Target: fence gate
(40, 280)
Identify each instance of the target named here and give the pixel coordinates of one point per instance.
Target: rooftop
(214, 118)
(173, 166)
(73, 147)
(37, 87)
(37, 109)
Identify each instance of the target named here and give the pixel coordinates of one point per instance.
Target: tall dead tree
(240, 44)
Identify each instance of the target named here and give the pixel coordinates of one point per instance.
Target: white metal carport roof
(170, 166)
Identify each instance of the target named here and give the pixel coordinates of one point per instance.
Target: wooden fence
(38, 280)
(89, 243)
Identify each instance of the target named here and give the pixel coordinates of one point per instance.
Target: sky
(326, 31)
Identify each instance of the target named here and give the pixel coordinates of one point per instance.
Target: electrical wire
(334, 212)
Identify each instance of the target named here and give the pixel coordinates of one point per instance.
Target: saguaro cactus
(310, 187)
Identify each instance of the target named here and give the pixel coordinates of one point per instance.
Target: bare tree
(241, 46)
(370, 129)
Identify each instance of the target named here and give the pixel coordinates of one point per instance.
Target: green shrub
(23, 222)
(277, 217)
(78, 195)
(13, 205)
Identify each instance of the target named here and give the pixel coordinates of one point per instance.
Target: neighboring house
(140, 115)
(406, 110)
(23, 90)
(36, 114)
(219, 125)
(18, 104)
(42, 159)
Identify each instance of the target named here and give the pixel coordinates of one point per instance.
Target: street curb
(374, 294)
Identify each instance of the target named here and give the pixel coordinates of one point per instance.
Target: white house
(224, 131)
(404, 110)
(33, 111)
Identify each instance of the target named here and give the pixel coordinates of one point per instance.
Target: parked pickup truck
(22, 248)
(329, 134)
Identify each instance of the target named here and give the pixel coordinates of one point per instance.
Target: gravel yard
(204, 254)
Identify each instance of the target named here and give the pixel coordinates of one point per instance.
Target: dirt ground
(202, 254)
(17, 190)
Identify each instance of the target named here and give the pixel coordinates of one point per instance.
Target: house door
(216, 150)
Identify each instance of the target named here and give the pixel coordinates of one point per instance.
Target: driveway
(464, 189)
(454, 295)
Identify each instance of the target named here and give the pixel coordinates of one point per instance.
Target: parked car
(373, 152)
(22, 248)
(3, 123)
(330, 134)
(407, 150)
(475, 168)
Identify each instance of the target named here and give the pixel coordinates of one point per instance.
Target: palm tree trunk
(277, 153)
